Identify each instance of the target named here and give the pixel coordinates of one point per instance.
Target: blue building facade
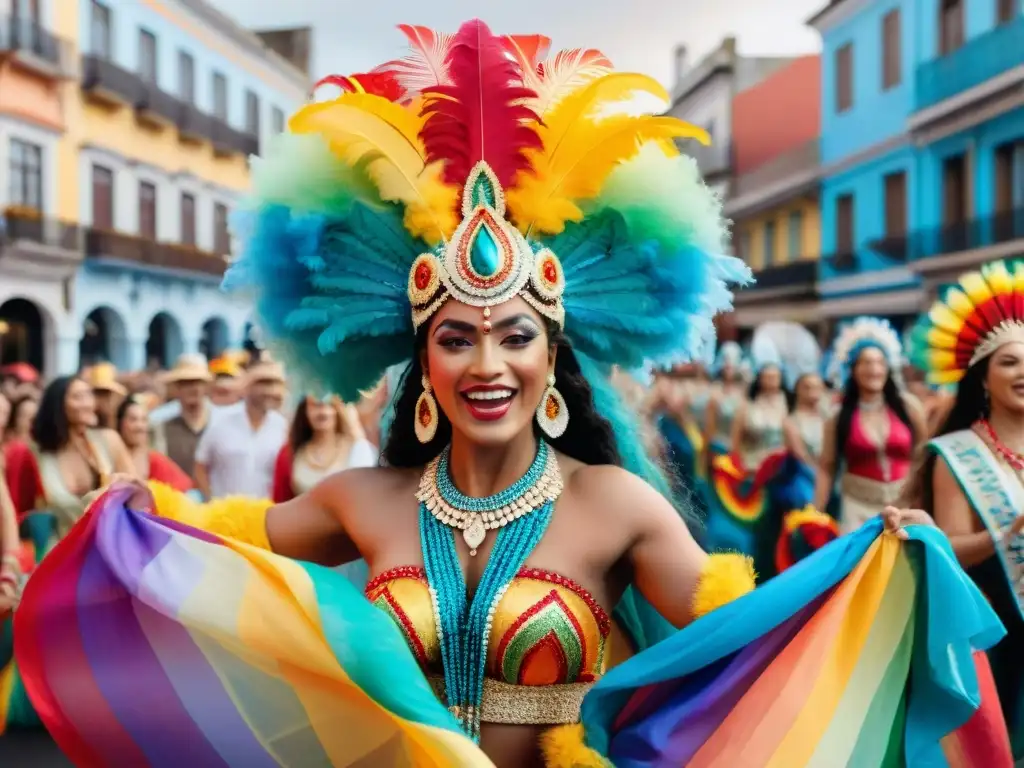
(922, 141)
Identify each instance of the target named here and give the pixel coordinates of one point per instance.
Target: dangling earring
(426, 414)
(552, 414)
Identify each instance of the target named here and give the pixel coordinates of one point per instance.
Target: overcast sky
(637, 35)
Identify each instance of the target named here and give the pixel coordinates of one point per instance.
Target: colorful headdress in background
(971, 319)
(792, 347)
(857, 336)
(729, 353)
(479, 168)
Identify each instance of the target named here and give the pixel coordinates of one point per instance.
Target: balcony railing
(29, 224)
(894, 248)
(797, 274)
(969, 235)
(192, 123)
(104, 77)
(154, 102)
(843, 261)
(101, 243)
(977, 61)
(26, 35)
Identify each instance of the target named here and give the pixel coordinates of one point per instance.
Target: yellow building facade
(788, 232)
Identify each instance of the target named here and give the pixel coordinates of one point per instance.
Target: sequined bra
(546, 629)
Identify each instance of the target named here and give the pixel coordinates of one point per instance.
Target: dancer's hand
(895, 519)
(141, 498)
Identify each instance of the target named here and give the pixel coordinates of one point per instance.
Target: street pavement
(31, 749)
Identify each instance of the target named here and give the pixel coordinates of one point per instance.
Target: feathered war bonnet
(853, 338)
(476, 169)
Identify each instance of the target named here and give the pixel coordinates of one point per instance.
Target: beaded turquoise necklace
(521, 514)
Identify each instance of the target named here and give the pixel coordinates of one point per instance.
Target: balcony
(192, 124)
(104, 244)
(792, 283)
(967, 244)
(39, 247)
(892, 248)
(36, 48)
(156, 107)
(978, 61)
(107, 83)
(228, 141)
(843, 262)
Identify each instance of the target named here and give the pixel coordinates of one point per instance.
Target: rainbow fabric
(145, 643)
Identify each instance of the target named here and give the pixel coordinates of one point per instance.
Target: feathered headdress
(857, 336)
(479, 168)
(970, 320)
(797, 349)
(729, 353)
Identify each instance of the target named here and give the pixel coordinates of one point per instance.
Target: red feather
(480, 115)
(375, 83)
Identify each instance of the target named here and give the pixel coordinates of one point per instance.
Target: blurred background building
(126, 128)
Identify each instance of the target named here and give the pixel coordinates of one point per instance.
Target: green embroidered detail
(552, 619)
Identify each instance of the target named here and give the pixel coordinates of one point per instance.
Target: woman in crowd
(23, 413)
(869, 443)
(516, 508)
(971, 480)
(133, 428)
(728, 397)
(326, 437)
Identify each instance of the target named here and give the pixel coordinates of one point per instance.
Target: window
(745, 246)
(769, 243)
(844, 78)
(844, 224)
(147, 210)
(951, 26)
(1009, 195)
(954, 190)
(1006, 10)
(102, 197)
(895, 186)
(252, 113)
(186, 77)
(891, 75)
(99, 33)
(220, 96)
(26, 167)
(221, 237)
(188, 219)
(147, 56)
(277, 118)
(796, 235)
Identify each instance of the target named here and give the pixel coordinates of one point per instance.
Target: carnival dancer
(506, 223)
(133, 427)
(870, 441)
(972, 479)
(728, 396)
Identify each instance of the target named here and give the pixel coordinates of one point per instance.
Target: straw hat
(188, 368)
(102, 377)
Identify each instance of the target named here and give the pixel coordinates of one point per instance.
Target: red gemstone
(423, 275)
(424, 414)
(550, 272)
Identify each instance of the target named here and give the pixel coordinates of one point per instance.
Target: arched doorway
(103, 338)
(214, 339)
(164, 343)
(21, 333)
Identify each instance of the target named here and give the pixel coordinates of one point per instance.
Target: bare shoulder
(615, 493)
(369, 483)
(913, 404)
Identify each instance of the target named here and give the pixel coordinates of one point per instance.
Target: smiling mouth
(488, 404)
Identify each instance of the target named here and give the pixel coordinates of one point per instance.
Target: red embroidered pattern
(550, 640)
(390, 605)
(401, 572)
(504, 245)
(539, 574)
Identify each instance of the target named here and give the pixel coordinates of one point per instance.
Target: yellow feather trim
(363, 128)
(582, 144)
(726, 576)
(564, 746)
(233, 517)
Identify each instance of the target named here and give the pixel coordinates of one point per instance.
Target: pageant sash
(993, 496)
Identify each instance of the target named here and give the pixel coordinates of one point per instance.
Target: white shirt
(239, 460)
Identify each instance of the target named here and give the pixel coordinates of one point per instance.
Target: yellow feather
(944, 318)
(960, 303)
(939, 338)
(998, 277)
(363, 128)
(581, 147)
(977, 291)
(941, 360)
(942, 378)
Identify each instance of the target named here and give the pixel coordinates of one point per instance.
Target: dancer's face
(322, 414)
(871, 371)
(80, 405)
(1005, 380)
(809, 390)
(771, 380)
(135, 426)
(488, 384)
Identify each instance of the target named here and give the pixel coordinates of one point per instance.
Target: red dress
(163, 470)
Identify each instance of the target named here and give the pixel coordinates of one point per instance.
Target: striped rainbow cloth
(145, 643)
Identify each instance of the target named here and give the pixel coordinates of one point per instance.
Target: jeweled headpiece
(476, 169)
(970, 320)
(858, 335)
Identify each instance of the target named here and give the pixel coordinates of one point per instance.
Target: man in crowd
(178, 436)
(236, 453)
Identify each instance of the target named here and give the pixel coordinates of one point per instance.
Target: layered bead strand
(464, 629)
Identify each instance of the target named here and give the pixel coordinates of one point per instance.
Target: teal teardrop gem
(484, 254)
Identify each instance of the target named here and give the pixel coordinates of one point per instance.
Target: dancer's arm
(795, 442)
(953, 514)
(827, 464)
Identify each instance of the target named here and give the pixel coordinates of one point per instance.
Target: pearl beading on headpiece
(487, 262)
(1006, 332)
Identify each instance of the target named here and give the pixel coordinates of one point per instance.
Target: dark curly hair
(589, 437)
